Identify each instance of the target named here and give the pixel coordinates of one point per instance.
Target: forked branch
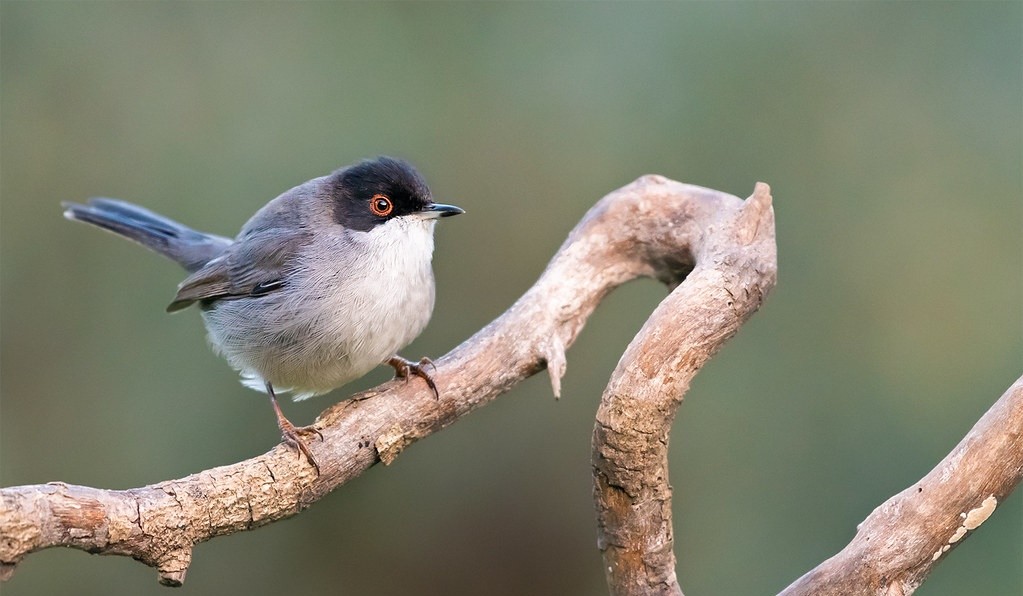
(718, 255)
(653, 227)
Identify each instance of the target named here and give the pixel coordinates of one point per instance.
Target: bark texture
(734, 267)
(653, 227)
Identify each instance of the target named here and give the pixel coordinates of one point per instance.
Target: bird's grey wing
(255, 265)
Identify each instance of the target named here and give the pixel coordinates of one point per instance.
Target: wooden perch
(653, 227)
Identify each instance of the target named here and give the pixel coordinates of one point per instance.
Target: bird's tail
(189, 248)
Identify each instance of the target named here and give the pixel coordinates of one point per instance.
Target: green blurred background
(891, 135)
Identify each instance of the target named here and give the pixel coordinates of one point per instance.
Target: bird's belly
(313, 342)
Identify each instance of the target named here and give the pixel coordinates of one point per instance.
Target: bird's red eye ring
(381, 205)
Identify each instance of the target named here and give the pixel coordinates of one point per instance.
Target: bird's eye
(381, 205)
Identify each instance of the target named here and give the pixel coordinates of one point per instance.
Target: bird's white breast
(352, 301)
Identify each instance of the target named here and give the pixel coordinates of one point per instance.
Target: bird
(325, 282)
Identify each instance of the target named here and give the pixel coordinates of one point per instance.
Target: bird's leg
(403, 368)
(290, 433)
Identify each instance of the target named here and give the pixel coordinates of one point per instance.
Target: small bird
(322, 284)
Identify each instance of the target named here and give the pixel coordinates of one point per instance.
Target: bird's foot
(403, 369)
(292, 435)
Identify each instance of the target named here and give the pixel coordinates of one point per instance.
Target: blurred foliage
(891, 136)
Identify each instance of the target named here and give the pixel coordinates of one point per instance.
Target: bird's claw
(292, 435)
(403, 369)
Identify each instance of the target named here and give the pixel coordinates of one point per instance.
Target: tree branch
(653, 227)
(735, 268)
(898, 544)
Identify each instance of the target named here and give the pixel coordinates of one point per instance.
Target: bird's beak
(438, 210)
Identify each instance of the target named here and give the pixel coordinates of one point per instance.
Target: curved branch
(898, 544)
(735, 268)
(652, 227)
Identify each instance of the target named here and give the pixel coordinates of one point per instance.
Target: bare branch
(735, 268)
(898, 544)
(653, 227)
